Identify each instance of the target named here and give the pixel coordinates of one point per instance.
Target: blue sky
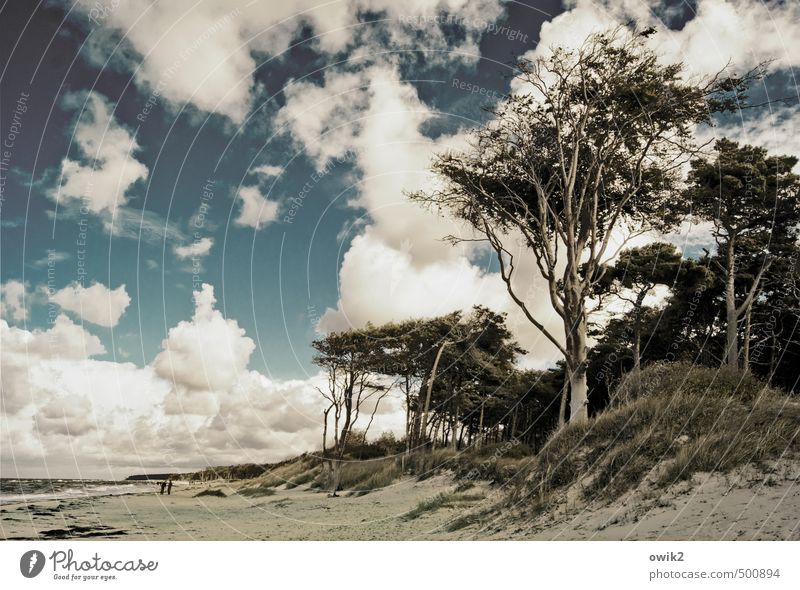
(219, 182)
(182, 148)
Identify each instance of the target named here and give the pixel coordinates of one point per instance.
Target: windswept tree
(592, 145)
(476, 365)
(349, 360)
(410, 349)
(751, 199)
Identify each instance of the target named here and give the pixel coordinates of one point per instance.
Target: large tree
(751, 199)
(592, 143)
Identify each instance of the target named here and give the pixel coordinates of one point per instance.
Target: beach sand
(750, 503)
(295, 514)
(747, 504)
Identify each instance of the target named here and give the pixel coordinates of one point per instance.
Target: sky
(194, 190)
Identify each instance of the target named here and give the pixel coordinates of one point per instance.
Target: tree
(746, 195)
(472, 361)
(593, 144)
(348, 359)
(635, 275)
(775, 332)
(410, 349)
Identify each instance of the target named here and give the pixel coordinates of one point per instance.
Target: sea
(14, 491)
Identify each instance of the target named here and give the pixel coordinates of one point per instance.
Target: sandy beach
(295, 514)
(744, 505)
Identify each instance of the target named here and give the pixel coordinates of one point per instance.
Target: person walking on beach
(163, 485)
(169, 488)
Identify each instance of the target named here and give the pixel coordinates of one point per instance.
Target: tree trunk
(637, 338)
(746, 340)
(454, 429)
(562, 408)
(408, 415)
(731, 340)
(772, 357)
(576, 367)
(514, 422)
(335, 467)
(480, 429)
(424, 418)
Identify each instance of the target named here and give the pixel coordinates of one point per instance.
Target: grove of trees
(592, 151)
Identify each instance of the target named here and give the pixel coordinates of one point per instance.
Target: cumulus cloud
(70, 416)
(743, 33)
(197, 404)
(197, 249)
(777, 130)
(398, 266)
(97, 303)
(12, 300)
(255, 210)
(105, 169)
(203, 54)
(206, 354)
(24, 350)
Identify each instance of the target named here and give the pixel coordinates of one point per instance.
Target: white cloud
(65, 414)
(52, 258)
(25, 350)
(70, 416)
(197, 249)
(326, 120)
(185, 52)
(12, 300)
(399, 266)
(206, 354)
(777, 130)
(255, 210)
(97, 303)
(743, 33)
(268, 170)
(100, 179)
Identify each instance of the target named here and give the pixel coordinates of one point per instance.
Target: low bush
(215, 493)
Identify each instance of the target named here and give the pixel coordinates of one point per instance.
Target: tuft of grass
(216, 493)
(293, 473)
(256, 492)
(443, 500)
(463, 522)
(373, 475)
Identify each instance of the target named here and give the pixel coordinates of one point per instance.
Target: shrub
(216, 493)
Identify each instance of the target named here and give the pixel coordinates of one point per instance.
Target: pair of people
(168, 487)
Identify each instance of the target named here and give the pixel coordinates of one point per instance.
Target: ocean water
(14, 491)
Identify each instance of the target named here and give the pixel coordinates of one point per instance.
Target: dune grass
(256, 491)
(443, 500)
(684, 420)
(215, 493)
